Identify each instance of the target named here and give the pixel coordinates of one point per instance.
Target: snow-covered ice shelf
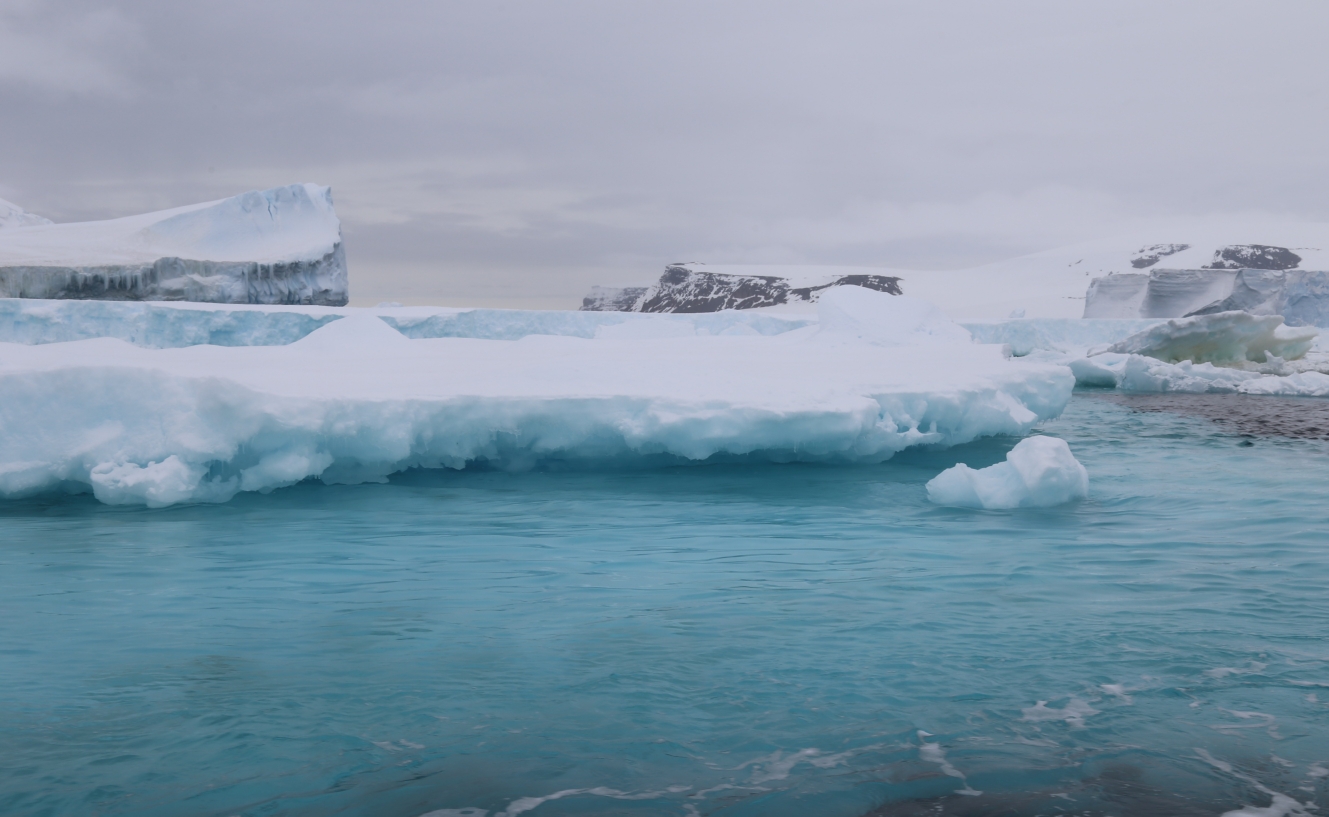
(356, 400)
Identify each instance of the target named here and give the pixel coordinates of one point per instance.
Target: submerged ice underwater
(729, 638)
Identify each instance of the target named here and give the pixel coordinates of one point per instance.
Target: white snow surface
(355, 400)
(296, 222)
(11, 216)
(1038, 472)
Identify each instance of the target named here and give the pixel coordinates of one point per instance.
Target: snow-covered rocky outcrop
(279, 246)
(356, 399)
(1044, 285)
(692, 288)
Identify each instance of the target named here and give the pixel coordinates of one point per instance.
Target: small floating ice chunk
(1038, 472)
(1227, 337)
(1095, 371)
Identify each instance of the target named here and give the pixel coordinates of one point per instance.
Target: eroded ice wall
(1301, 297)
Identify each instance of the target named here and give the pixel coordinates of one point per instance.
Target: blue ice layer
(154, 325)
(164, 325)
(763, 641)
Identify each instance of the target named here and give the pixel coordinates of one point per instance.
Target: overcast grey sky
(513, 153)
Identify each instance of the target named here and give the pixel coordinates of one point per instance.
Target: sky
(513, 154)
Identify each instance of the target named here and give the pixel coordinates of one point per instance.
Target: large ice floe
(279, 246)
(355, 398)
(1038, 472)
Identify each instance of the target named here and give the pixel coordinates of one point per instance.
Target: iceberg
(1038, 472)
(1225, 337)
(279, 246)
(356, 400)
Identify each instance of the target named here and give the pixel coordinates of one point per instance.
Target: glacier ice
(278, 246)
(356, 400)
(1225, 337)
(1038, 472)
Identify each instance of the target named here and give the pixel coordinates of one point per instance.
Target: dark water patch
(1254, 415)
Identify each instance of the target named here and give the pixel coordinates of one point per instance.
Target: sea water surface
(707, 640)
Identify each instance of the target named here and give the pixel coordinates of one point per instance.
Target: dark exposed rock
(881, 283)
(1254, 256)
(684, 289)
(1146, 257)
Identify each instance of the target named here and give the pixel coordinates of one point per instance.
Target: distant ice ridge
(1038, 472)
(356, 400)
(279, 246)
(11, 215)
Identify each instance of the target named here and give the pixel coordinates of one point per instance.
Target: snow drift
(356, 400)
(279, 246)
(1038, 472)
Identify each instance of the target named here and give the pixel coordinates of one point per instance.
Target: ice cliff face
(279, 246)
(1301, 297)
(686, 288)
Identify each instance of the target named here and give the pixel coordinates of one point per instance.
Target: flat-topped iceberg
(356, 400)
(279, 246)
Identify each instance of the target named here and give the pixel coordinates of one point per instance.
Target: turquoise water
(712, 640)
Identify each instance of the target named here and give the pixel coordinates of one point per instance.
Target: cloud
(54, 47)
(547, 145)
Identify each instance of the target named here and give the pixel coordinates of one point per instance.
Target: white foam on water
(1073, 713)
(1281, 805)
(934, 753)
